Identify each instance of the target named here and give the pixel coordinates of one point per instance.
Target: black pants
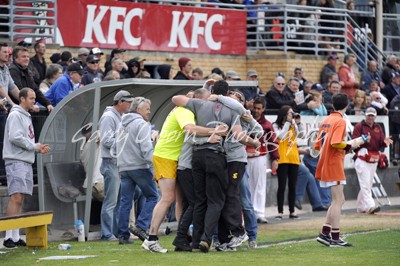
(231, 220)
(287, 171)
(210, 177)
(184, 180)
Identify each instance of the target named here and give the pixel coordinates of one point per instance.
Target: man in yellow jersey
(165, 159)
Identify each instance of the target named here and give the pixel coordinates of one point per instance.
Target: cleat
(252, 244)
(225, 248)
(237, 240)
(339, 243)
(154, 246)
(324, 239)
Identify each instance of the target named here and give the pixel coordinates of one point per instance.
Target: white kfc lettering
(93, 24)
(199, 19)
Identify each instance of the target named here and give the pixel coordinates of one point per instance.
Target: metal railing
(391, 25)
(28, 19)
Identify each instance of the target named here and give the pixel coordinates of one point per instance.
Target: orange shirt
(332, 130)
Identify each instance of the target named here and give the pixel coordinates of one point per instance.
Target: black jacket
(24, 78)
(181, 76)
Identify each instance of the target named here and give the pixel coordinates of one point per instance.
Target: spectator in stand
(328, 69)
(65, 59)
(112, 75)
(389, 68)
(347, 76)
(142, 68)
(374, 86)
(320, 109)
(276, 97)
(327, 26)
(357, 107)
(97, 52)
(133, 69)
(23, 77)
(197, 74)
(38, 60)
(368, 100)
(55, 58)
(218, 71)
(350, 5)
(66, 84)
(250, 92)
(395, 127)
(185, 66)
(83, 53)
(288, 128)
(7, 85)
(380, 108)
(307, 87)
(333, 88)
(117, 52)
(92, 74)
(370, 75)
(164, 71)
(298, 73)
(393, 87)
(31, 67)
(232, 75)
(53, 72)
(117, 64)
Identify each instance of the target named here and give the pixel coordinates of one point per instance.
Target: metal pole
(379, 24)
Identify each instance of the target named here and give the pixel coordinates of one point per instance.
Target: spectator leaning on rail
(23, 77)
(367, 159)
(19, 155)
(185, 66)
(347, 76)
(66, 84)
(53, 72)
(7, 84)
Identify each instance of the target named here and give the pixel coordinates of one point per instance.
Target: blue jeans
(305, 180)
(129, 180)
(250, 219)
(325, 193)
(109, 209)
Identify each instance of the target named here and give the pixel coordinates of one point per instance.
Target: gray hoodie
(19, 137)
(108, 125)
(134, 149)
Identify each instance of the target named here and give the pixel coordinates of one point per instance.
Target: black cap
(117, 51)
(55, 58)
(92, 58)
(24, 44)
(75, 67)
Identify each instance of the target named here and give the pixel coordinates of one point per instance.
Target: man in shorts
(165, 161)
(330, 169)
(19, 155)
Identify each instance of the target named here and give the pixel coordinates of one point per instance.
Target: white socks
(13, 234)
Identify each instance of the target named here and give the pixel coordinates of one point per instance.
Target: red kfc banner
(151, 27)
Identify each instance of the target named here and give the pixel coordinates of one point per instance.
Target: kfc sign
(110, 24)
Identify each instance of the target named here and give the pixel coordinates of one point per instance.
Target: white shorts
(331, 184)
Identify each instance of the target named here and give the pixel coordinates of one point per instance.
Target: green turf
(371, 248)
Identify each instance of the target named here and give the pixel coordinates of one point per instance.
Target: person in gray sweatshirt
(19, 154)
(108, 125)
(134, 152)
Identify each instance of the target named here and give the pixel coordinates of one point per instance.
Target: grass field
(376, 241)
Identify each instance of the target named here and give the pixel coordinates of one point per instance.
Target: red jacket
(377, 137)
(269, 141)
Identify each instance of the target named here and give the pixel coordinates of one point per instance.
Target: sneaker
(153, 246)
(324, 239)
(320, 209)
(9, 243)
(204, 246)
(124, 241)
(374, 210)
(252, 244)
(238, 240)
(139, 232)
(20, 243)
(297, 204)
(339, 243)
(262, 220)
(225, 248)
(182, 244)
(216, 244)
(294, 216)
(279, 216)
